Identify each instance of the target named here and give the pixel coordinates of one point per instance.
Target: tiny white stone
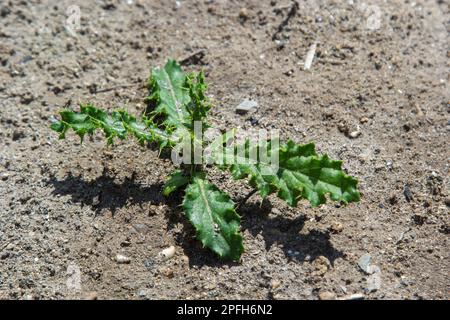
(246, 105)
(168, 253)
(310, 56)
(122, 259)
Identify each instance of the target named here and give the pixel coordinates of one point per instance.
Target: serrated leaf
(300, 173)
(198, 105)
(175, 181)
(169, 93)
(115, 125)
(212, 213)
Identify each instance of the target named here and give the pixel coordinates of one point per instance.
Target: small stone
(246, 106)
(142, 293)
(121, 259)
(355, 296)
(141, 228)
(321, 265)
(374, 280)
(354, 134)
(389, 164)
(364, 120)
(167, 253)
(4, 255)
(336, 227)
(407, 193)
(364, 262)
(326, 295)
(185, 259)
(210, 286)
(168, 272)
(243, 13)
(91, 296)
(4, 176)
(275, 284)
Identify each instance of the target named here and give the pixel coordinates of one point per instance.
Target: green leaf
(212, 213)
(300, 173)
(175, 181)
(199, 105)
(168, 91)
(117, 124)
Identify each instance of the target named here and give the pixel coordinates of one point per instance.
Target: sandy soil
(375, 97)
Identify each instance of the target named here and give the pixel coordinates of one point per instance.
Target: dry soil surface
(376, 96)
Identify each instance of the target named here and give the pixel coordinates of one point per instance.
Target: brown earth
(377, 99)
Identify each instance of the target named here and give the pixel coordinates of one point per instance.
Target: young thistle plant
(178, 122)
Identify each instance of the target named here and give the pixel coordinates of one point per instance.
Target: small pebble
(167, 253)
(355, 296)
(326, 295)
(122, 259)
(168, 272)
(374, 280)
(243, 13)
(354, 134)
(246, 106)
(275, 284)
(336, 227)
(321, 265)
(364, 262)
(364, 120)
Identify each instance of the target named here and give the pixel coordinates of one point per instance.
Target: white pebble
(168, 253)
(122, 259)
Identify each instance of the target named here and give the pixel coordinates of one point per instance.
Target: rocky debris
(167, 253)
(354, 134)
(351, 132)
(364, 262)
(121, 259)
(374, 280)
(167, 272)
(374, 272)
(407, 193)
(327, 295)
(363, 120)
(336, 227)
(274, 284)
(310, 56)
(246, 106)
(321, 266)
(243, 14)
(141, 228)
(355, 296)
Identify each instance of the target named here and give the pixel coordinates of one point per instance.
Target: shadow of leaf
(287, 232)
(105, 192)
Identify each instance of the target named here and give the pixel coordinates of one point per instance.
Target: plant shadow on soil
(105, 192)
